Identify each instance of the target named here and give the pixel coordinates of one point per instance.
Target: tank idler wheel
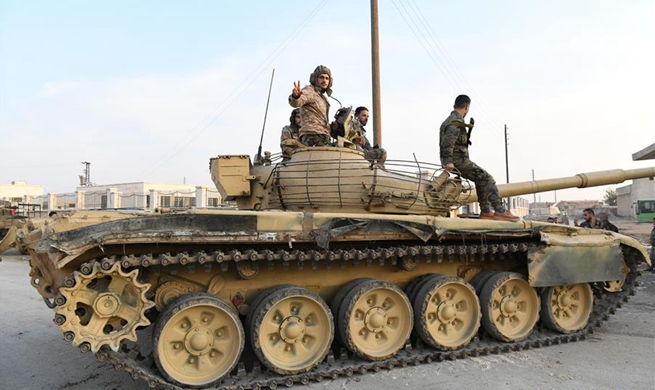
(375, 319)
(617, 285)
(566, 309)
(197, 340)
(291, 330)
(510, 307)
(446, 312)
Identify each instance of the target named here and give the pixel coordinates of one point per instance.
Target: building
(641, 193)
(132, 196)
(20, 193)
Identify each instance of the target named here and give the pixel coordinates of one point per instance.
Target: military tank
(333, 265)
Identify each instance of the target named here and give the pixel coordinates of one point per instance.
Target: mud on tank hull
(316, 294)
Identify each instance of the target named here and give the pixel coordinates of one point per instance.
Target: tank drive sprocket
(102, 308)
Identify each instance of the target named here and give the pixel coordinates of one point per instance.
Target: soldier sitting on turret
(454, 152)
(371, 153)
(290, 132)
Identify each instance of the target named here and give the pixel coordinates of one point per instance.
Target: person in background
(605, 224)
(53, 215)
(652, 248)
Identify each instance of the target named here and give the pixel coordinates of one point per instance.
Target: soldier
(370, 153)
(605, 224)
(591, 222)
(290, 131)
(652, 248)
(314, 114)
(453, 145)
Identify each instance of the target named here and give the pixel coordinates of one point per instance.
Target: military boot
(504, 216)
(487, 215)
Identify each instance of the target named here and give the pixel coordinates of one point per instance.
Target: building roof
(648, 153)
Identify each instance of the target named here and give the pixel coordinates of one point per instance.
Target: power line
(441, 47)
(197, 130)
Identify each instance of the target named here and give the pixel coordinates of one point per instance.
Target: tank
(332, 266)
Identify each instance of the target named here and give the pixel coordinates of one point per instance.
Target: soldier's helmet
(322, 69)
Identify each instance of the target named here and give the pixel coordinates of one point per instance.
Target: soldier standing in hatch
(370, 153)
(290, 131)
(454, 153)
(314, 113)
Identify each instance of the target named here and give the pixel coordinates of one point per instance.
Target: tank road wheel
(291, 330)
(567, 309)
(197, 340)
(510, 307)
(446, 312)
(617, 285)
(104, 307)
(480, 279)
(375, 319)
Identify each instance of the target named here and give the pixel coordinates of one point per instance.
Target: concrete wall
(627, 196)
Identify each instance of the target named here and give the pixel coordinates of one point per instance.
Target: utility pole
(375, 73)
(509, 204)
(535, 194)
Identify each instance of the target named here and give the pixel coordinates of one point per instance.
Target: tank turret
(337, 180)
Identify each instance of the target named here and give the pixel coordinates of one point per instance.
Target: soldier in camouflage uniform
(314, 107)
(372, 154)
(591, 222)
(652, 248)
(290, 131)
(453, 148)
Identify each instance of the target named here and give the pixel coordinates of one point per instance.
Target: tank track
(340, 363)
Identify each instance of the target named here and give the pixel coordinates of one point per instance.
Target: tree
(610, 197)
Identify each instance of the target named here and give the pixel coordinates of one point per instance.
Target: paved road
(620, 355)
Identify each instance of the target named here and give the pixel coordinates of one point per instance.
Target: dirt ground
(640, 231)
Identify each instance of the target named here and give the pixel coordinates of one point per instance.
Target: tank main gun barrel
(581, 180)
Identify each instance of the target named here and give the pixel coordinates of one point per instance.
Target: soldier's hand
(296, 92)
(450, 167)
(358, 141)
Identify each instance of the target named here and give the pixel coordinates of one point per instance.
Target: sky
(150, 90)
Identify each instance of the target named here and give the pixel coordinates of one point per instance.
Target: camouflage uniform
(314, 110)
(652, 249)
(370, 153)
(453, 148)
(288, 132)
(603, 225)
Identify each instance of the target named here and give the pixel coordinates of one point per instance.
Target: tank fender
(635, 244)
(582, 257)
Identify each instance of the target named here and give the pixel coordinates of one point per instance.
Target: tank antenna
(258, 158)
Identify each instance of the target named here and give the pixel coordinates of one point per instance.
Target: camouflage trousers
(379, 155)
(485, 185)
(315, 140)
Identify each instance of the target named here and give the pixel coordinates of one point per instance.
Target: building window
(103, 202)
(16, 200)
(165, 201)
(147, 201)
(212, 202)
(179, 201)
(192, 202)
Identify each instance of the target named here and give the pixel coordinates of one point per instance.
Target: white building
(627, 196)
(146, 195)
(20, 192)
